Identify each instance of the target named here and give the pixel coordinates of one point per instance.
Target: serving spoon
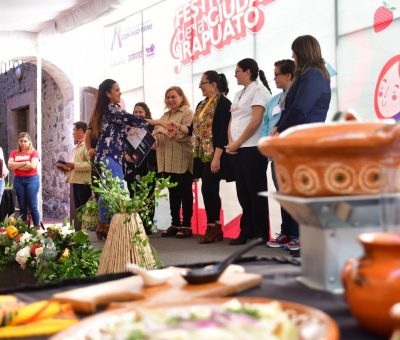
(212, 273)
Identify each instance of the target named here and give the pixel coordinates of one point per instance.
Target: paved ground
(175, 251)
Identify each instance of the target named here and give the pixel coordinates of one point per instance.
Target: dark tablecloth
(279, 282)
(7, 206)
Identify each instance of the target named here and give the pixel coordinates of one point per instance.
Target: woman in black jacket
(134, 173)
(210, 161)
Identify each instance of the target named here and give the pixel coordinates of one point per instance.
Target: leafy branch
(114, 194)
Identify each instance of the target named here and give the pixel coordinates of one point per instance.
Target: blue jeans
(27, 189)
(2, 185)
(117, 171)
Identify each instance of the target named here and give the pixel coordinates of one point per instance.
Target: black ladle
(206, 275)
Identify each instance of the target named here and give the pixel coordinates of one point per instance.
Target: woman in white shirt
(3, 174)
(250, 166)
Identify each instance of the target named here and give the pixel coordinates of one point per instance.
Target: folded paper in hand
(60, 161)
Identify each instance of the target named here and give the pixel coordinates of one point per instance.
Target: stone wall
(57, 142)
(11, 87)
(56, 133)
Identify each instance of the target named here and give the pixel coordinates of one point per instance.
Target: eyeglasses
(237, 71)
(204, 82)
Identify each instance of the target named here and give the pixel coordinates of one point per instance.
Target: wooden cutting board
(87, 299)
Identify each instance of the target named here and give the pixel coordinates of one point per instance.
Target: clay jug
(372, 283)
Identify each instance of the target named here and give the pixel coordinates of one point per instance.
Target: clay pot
(330, 159)
(372, 283)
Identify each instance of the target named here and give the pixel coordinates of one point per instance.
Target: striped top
(175, 155)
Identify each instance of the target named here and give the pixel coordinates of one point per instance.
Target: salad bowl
(233, 318)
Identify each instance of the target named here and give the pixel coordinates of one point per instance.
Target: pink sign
(202, 24)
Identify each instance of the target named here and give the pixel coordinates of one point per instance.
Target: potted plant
(88, 214)
(127, 241)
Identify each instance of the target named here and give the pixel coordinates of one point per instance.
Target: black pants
(250, 174)
(181, 196)
(289, 226)
(210, 191)
(82, 193)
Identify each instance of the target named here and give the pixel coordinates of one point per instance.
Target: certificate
(138, 142)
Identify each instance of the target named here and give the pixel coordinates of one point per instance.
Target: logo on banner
(202, 24)
(150, 50)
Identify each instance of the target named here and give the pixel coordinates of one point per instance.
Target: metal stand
(329, 227)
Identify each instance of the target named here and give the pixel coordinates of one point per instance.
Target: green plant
(115, 196)
(88, 214)
(57, 252)
(8, 184)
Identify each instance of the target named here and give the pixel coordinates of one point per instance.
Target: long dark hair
(100, 107)
(220, 79)
(308, 54)
(251, 64)
(145, 108)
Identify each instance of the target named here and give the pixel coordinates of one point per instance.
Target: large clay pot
(372, 283)
(329, 159)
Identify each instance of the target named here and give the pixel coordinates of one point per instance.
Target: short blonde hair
(178, 90)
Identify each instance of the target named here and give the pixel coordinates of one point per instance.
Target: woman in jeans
(24, 162)
(108, 123)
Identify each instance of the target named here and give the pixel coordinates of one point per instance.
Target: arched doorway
(20, 111)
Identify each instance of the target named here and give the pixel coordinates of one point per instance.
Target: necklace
(242, 93)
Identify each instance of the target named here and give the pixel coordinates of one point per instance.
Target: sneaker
(294, 244)
(280, 241)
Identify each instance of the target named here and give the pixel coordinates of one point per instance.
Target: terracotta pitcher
(372, 283)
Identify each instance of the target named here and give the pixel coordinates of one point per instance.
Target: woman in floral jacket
(108, 125)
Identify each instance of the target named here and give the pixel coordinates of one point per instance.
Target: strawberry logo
(383, 17)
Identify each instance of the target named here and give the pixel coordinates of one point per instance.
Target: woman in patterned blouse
(174, 160)
(211, 163)
(108, 125)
